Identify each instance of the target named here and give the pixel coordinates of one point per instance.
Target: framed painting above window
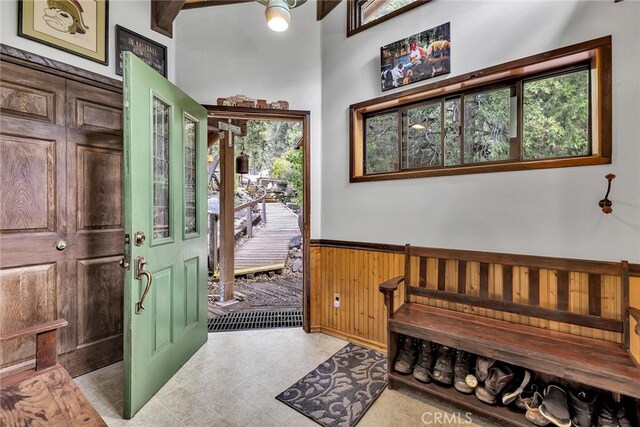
(415, 58)
(76, 26)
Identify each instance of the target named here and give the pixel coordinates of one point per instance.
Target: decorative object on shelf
(76, 26)
(415, 58)
(152, 53)
(606, 204)
(244, 101)
(277, 12)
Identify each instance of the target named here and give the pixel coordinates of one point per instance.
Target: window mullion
(520, 122)
(461, 130)
(401, 118)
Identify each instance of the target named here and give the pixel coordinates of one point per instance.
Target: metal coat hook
(605, 203)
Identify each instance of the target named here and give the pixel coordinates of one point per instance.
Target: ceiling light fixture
(278, 14)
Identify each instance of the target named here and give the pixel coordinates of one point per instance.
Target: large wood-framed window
(363, 14)
(545, 111)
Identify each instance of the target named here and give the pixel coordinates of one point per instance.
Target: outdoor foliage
(555, 124)
(556, 116)
(389, 6)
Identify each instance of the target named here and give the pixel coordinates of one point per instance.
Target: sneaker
(461, 370)
(582, 408)
(532, 407)
(499, 376)
(406, 355)
(554, 406)
(526, 396)
(516, 387)
(483, 364)
(443, 369)
(422, 370)
(612, 415)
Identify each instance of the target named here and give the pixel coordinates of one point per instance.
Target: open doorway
(259, 218)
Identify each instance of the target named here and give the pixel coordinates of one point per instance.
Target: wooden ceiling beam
(324, 7)
(163, 13)
(207, 3)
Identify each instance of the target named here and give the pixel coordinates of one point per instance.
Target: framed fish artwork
(76, 26)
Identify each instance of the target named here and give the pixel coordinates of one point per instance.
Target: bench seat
(588, 361)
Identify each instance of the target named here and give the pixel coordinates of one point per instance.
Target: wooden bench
(45, 395)
(565, 318)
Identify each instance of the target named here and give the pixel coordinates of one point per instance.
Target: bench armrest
(635, 313)
(388, 288)
(46, 340)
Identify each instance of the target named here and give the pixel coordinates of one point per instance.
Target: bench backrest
(587, 298)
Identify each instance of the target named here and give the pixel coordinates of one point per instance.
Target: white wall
(229, 50)
(134, 15)
(549, 212)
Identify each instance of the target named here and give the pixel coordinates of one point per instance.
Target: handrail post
(249, 223)
(213, 242)
(264, 208)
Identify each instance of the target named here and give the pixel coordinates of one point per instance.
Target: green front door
(166, 224)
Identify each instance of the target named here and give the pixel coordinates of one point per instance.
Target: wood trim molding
(207, 3)
(163, 13)
(587, 266)
(41, 63)
(324, 7)
(353, 24)
(344, 244)
(303, 116)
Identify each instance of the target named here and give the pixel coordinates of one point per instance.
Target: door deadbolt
(140, 237)
(61, 245)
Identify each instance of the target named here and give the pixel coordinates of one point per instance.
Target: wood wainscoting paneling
(354, 274)
(354, 270)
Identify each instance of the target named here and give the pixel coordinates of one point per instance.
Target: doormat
(245, 320)
(339, 391)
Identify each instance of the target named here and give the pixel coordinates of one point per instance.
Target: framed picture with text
(152, 53)
(76, 26)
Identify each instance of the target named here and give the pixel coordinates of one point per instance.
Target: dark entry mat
(245, 320)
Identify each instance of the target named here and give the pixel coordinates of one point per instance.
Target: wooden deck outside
(268, 249)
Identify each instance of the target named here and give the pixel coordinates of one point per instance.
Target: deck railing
(213, 226)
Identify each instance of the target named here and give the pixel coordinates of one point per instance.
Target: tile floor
(246, 370)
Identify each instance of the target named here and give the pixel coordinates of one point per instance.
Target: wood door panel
(90, 115)
(23, 101)
(31, 95)
(28, 183)
(99, 189)
(100, 299)
(31, 291)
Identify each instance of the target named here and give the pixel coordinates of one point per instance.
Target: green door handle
(140, 271)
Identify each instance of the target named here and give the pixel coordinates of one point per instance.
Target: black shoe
(406, 355)
(582, 407)
(554, 406)
(612, 415)
(461, 370)
(443, 370)
(422, 370)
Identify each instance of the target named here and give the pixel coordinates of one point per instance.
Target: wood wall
(355, 273)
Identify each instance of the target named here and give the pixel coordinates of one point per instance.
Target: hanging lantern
(242, 163)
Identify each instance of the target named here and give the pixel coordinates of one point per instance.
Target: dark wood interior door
(60, 216)
(94, 226)
(33, 273)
